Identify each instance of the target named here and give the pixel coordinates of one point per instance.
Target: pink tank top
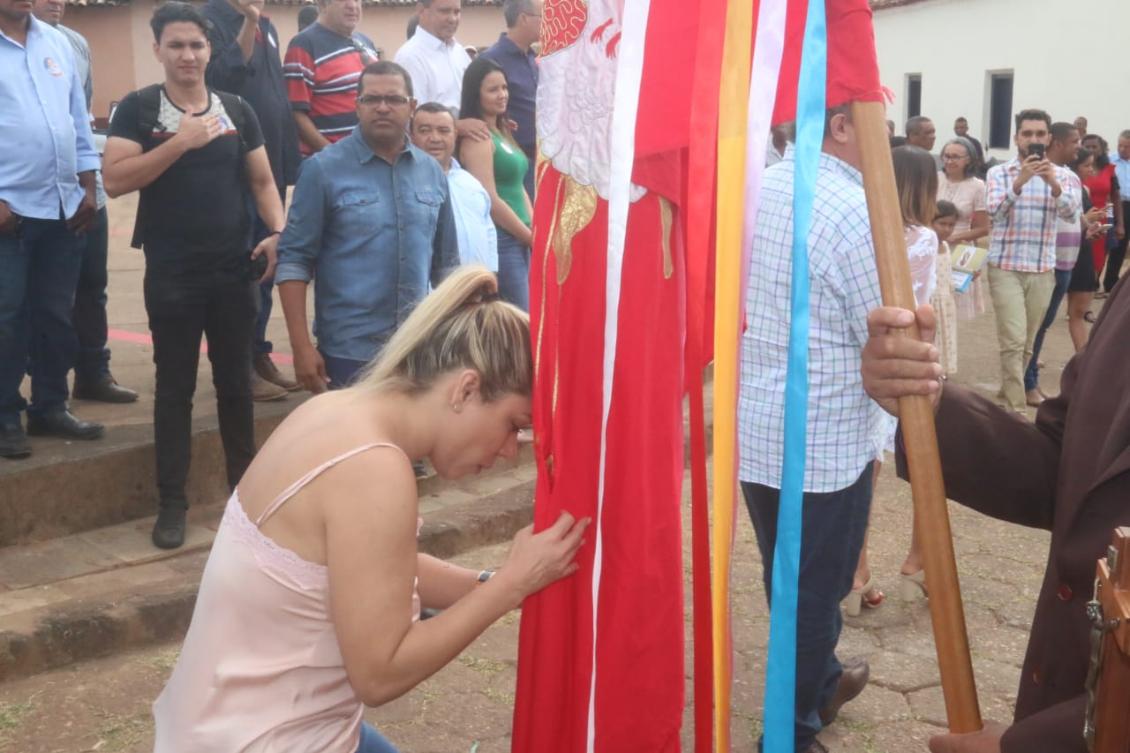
(260, 669)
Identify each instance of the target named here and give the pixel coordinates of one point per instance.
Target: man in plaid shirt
(844, 426)
(1025, 197)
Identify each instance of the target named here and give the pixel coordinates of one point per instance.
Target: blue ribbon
(780, 681)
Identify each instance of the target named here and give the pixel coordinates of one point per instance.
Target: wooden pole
(917, 418)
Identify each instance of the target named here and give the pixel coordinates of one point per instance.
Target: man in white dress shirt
(434, 59)
(433, 130)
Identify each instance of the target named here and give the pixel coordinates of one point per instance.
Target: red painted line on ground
(141, 338)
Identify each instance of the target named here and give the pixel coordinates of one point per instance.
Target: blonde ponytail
(460, 325)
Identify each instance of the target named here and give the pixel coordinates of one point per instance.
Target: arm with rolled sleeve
(445, 246)
(999, 196)
(301, 241)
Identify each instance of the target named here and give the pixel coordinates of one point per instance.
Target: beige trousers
(1020, 300)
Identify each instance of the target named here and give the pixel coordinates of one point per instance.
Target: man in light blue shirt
(1121, 161)
(433, 130)
(47, 199)
(371, 223)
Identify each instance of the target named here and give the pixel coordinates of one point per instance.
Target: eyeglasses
(392, 100)
(954, 157)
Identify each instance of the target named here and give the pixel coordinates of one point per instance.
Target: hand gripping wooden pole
(917, 418)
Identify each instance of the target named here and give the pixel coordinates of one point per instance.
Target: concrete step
(85, 595)
(106, 589)
(67, 488)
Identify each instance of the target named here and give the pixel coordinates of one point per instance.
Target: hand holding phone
(1036, 150)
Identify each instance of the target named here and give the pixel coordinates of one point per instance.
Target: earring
(457, 407)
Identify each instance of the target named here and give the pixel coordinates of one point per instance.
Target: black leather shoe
(13, 442)
(168, 531)
(63, 423)
(856, 672)
(103, 390)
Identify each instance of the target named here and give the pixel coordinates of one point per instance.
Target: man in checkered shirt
(845, 427)
(1022, 245)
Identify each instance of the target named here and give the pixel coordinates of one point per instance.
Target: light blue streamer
(780, 681)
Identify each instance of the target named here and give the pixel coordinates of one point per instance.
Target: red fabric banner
(853, 69)
(639, 626)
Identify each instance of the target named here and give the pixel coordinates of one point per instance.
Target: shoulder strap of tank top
(312, 474)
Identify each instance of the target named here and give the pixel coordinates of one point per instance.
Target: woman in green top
(500, 165)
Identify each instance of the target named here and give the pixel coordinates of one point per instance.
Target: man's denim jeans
(91, 326)
(39, 272)
(834, 525)
(1032, 373)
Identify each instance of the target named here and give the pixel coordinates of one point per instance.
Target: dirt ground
(104, 705)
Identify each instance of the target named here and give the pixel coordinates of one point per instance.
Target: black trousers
(1117, 254)
(181, 308)
(93, 362)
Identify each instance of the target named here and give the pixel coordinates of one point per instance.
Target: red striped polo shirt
(322, 69)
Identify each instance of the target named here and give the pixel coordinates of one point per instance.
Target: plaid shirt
(845, 430)
(1024, 226)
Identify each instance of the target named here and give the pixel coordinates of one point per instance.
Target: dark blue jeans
(93, 361)
(513, 270)
(39, 271)
(261, 343)
(833, 529)
(342, 371)
(1032, 373)
(372, 741)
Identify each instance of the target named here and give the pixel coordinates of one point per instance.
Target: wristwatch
(485, 575)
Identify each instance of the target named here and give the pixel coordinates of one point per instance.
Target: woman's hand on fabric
(539, 559)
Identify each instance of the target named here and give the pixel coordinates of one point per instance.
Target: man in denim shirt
(372, 224)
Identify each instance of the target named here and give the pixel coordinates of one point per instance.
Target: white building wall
(1060, 59)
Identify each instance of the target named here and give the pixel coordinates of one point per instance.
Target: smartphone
(1105, 228)
(1036, 150)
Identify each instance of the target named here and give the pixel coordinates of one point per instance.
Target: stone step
(67, 488)
(89, 594)
(105, 589)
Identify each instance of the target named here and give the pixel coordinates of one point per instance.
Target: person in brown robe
(1069, 473)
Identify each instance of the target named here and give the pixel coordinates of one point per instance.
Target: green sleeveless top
(510, 165)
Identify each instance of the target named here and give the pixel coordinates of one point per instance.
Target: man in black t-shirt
(197, 157)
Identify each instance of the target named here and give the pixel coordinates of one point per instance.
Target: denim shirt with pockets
(372, 236)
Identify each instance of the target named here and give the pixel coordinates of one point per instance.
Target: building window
(913, 95)
(1000, 110)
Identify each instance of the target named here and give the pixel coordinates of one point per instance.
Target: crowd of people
(416, 174)
(401, 172)
(1048, 221)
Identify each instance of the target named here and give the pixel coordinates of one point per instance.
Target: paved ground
(103, 705)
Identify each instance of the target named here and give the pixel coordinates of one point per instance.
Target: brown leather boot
(266, 369)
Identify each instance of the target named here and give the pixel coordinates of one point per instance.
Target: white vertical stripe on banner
(768, 50)
(629, 74)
